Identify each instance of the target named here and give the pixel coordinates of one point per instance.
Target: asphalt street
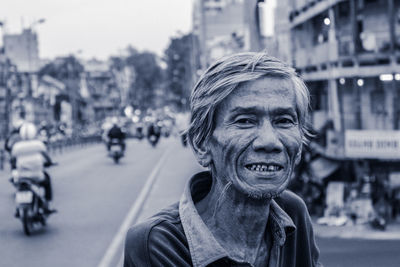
(337, 252)
(95, 197)
(92, 195)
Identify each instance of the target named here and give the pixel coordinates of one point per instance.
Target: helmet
(114, 120)
(27, 131)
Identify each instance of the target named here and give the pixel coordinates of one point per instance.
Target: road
(337, 252)
(93, 196)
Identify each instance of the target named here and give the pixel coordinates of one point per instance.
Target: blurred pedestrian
(248, 126)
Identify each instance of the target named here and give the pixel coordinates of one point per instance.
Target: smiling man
(248, 126)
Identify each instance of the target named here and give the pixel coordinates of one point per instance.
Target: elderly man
(248, 126)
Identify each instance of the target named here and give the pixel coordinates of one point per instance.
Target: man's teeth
(264, 168)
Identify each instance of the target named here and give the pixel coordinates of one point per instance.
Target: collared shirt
(204, 248)
(177, 236)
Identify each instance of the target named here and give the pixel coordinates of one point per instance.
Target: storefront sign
(372, 144)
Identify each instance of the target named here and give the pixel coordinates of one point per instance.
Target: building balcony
(317, 55)
(305, 10)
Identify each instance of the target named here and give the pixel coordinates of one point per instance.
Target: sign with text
(372, 144)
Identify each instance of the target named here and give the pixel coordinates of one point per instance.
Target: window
(320, 28)
(377, 101)
(344, 9)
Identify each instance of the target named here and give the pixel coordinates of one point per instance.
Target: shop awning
(322, 167)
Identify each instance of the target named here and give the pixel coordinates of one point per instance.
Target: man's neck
(236, 221)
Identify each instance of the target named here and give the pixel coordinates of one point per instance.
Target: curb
(362, 231)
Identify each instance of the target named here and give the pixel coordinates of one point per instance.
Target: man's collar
(282, 224)
(204, 248)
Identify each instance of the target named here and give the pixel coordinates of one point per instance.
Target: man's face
(257, 139)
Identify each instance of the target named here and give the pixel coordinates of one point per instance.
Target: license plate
(23, 197)
(115, 148)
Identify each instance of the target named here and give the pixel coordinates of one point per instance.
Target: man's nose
(267, 139)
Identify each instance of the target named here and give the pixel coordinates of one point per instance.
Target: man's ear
(202, 154)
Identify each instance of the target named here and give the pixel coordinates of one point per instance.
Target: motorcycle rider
(31, 157)
(116, 132)
(44, 132)
(153, 130)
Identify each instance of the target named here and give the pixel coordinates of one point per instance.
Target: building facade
(348, 52)
(104, 96)
(23, 50)
(226, 26)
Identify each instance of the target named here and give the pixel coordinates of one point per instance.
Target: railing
(322, 53)
(58, 146)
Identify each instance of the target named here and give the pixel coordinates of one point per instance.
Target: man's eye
(285, 121)
(244, 121)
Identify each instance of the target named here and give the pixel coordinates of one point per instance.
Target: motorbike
(378, 223)
(115, 150)
(153, 139)
(139, 133)
(30, 201)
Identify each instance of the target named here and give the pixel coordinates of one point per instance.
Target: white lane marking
(132, 214)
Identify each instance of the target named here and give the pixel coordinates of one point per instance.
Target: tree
(148, 79)
(182, 63)
(63, 68)
(67, 70)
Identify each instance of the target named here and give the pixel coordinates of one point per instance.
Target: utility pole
(203, 32)
(3, 85)
(6, 72)
(71, 93)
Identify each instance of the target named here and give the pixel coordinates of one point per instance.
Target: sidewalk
(181, 165)
(168, 187)
(360, 231)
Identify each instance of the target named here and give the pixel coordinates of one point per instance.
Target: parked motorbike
(116, 151)
(30, 203)
(378, 223)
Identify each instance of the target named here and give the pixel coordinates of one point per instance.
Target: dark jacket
(163, 239)
(116, 132)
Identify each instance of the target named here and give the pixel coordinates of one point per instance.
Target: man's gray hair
(224, 76)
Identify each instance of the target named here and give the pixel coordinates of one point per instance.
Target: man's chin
(260, 195)
(268, 192)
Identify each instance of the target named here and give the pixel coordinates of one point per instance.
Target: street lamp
(39, 21)
(327, 21)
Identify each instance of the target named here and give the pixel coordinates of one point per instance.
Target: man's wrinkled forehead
(285, 86)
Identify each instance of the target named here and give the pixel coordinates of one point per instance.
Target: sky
(98, 28)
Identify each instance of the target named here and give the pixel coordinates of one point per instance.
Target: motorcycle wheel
(26, 221)
(116, 159)
(42, 219)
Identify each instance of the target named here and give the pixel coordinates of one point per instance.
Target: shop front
(376, 161)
